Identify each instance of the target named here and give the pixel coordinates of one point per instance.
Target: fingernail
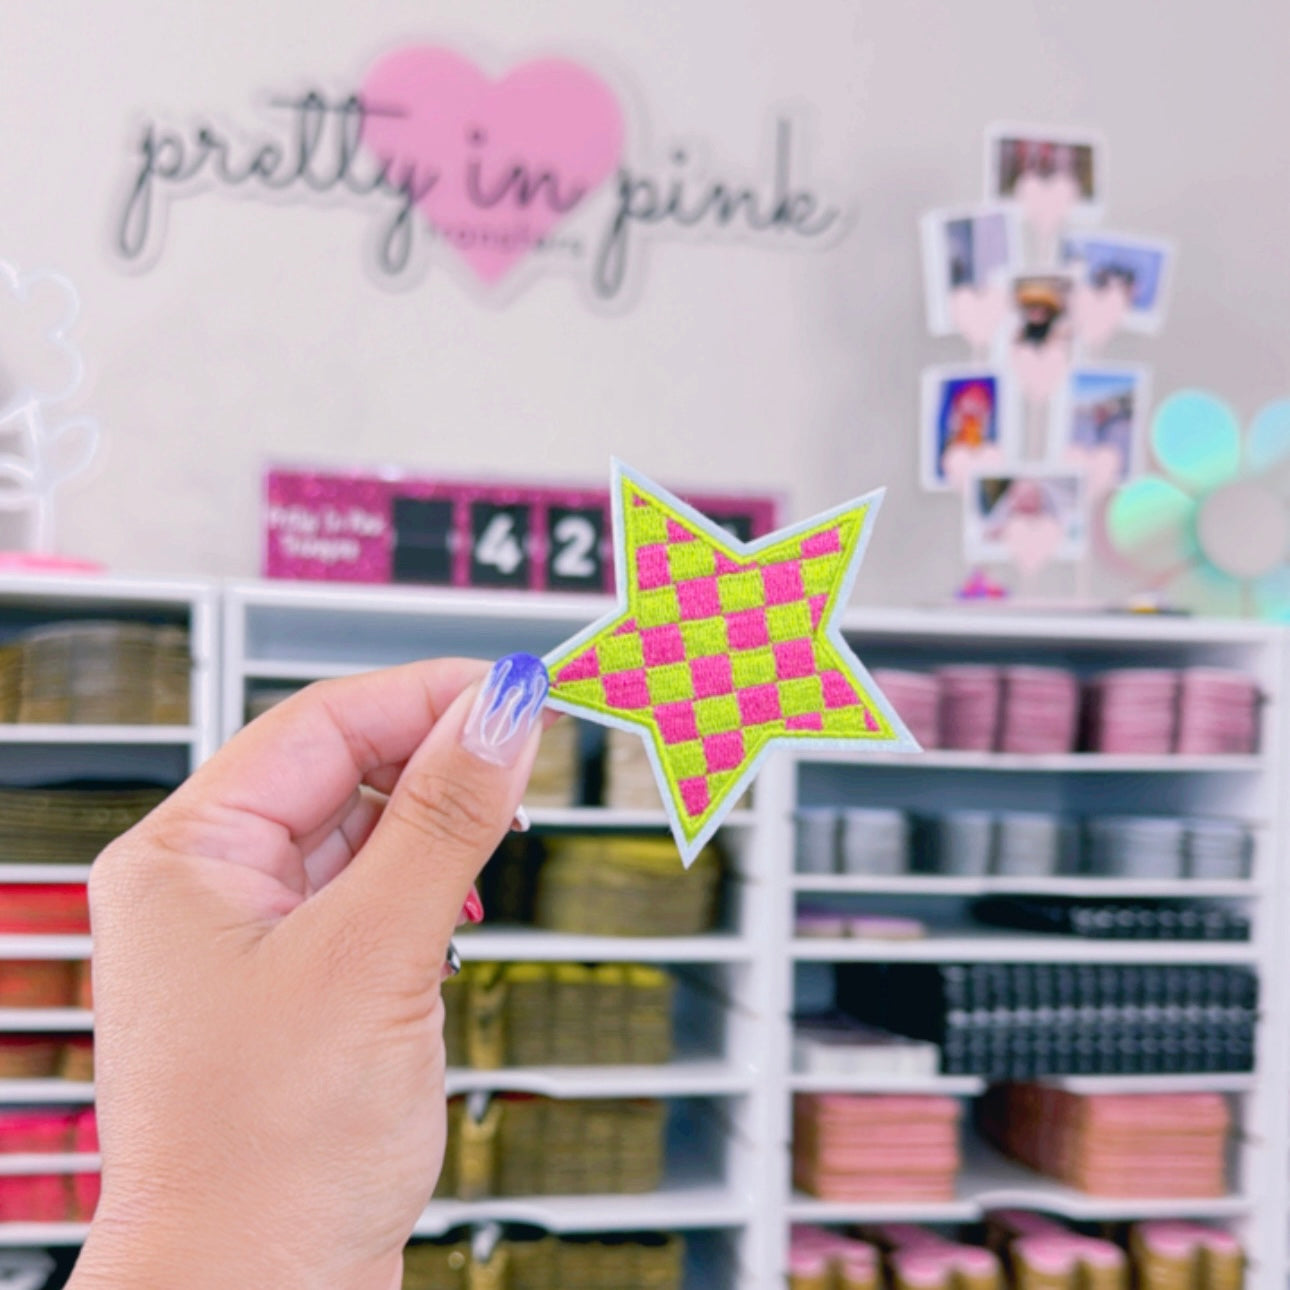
(507, 709)
(452, 962)
(473, 908)
(521, 823)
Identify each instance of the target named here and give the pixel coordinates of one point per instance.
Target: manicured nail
(521, 823)
(452, 962)
(473, 908)
(507, 709)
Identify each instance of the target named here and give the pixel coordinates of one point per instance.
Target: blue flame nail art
(507, 709)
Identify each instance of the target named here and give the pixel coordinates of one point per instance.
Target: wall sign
(322, 526)
(507, 178)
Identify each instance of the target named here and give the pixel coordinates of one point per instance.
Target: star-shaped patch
(719, 649)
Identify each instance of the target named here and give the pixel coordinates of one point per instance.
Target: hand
(268, 950)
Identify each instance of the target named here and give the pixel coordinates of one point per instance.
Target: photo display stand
(1036, 431)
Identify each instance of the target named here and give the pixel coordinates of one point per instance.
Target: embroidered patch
(718, 649)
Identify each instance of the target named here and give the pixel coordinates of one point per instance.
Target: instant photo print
(1010, 515)
(1140, 268)
(1042, 307)
(1105, 406)
(1050, 172)
(966, 406)
(966, 252)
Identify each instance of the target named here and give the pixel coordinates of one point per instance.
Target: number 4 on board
(499, 545)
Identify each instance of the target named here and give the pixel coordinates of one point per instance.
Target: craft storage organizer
(1021, 1249)
(559, 1014)
(532, 1260)
(691, 958)
(727, 1084)
(514, 1144)
(1246, 786)
(111, 696)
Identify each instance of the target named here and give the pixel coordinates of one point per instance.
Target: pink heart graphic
(1032, 541)
(1098, 312)
(1047, 201)
(1041, 369)
(978, 315)
(1103, 467)
(961, 461)
(498, 164)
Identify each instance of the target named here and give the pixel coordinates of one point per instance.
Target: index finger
(296, 765)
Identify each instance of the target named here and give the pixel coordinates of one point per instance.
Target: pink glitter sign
(326, 526)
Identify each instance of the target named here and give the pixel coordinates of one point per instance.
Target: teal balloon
(1272, 595)
(1268, 445)
(1197, 439)
(1151, 521)
(1205, 590)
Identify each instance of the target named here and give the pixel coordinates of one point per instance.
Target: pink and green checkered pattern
(715, 657)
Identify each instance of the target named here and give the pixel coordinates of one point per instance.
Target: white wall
(260, 334)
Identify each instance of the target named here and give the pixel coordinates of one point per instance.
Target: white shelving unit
(40, 946)
(66, 1162)
(282, 633)
(115, 751)
(1246, 787)
(990, 946)
(35, 754)
(988, 885)
(729, 1189)
(22, 1235)
(716, 1187)
(932, 1085)
(47, 1020)
(1056, 763)
(684, 1076)
(991, 1182)
(45, 1092)
(88, 736)
(676, 1207)
(537, 946)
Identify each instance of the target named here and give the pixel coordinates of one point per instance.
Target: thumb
(450, 809)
